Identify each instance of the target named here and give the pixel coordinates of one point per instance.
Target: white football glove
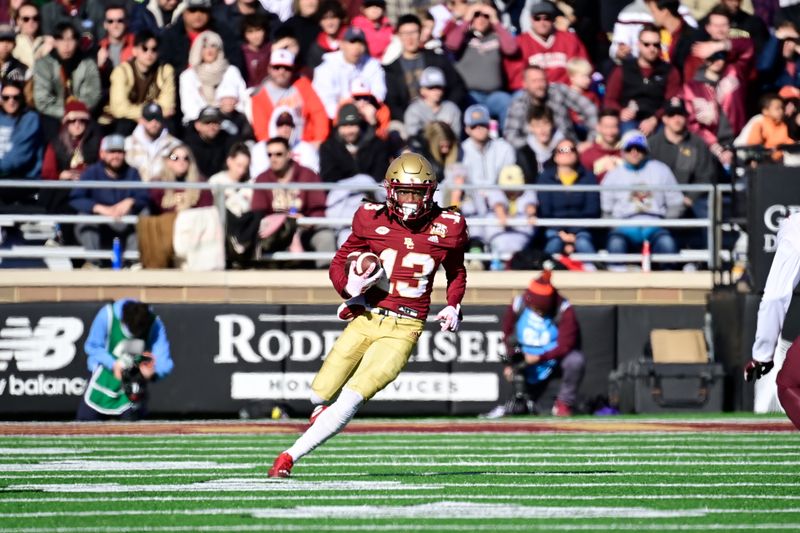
(449, 317)
(359, 283)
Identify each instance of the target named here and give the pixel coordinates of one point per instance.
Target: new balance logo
(48, 346)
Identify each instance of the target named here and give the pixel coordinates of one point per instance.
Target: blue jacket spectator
(20, 146)
(85, 200)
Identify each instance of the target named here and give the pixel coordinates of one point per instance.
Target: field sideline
(530, 474)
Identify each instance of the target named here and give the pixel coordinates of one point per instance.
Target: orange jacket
(316, 123)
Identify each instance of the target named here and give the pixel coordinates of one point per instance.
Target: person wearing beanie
(542, 339)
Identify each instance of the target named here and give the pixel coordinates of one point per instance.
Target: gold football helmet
(410, 172)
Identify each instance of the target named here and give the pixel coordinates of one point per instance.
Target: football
(363, 261)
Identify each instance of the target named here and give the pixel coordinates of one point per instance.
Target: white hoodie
(303, 152)
(333, 77)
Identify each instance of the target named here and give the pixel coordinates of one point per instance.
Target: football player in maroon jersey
(412, 236)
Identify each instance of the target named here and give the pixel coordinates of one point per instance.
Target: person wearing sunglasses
(545, 46)
(137, 82)
(179, 166)
(20, 146)
(30, 44)
(11, 68)
(628, 194)
(117, 46)
(640, 86)
(76, 147)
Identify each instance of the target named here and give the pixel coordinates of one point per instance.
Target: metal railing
(709, 225)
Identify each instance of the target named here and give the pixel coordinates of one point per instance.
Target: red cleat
(315, 413)
(561, 409)
(282, 467)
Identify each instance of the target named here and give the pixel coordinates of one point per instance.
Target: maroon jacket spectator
(716, 37)
(604, 153)
(256, 48)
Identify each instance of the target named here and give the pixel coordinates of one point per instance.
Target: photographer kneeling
(127, 348)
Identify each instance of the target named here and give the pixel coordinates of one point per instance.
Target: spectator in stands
(540, 143)
(109, 202)
(233, 14)
(430, 105)
(567, 171)
(481, 44)
(376, 26)
(484, 158)
(545, 47)
(375, 113)
(283, 124)
(769, 129)
(508, 205)
(745, 24)
(285, 88)
(75, 13)
(716, 37)
(176, 41)
(289, 203)
(208, 71)
(76, 147)
(604, 153)
(304, 26)
(715, 102)
(11, 68)
(149, 142)
(256, 48)
(241, 223)
(64, 72)
(208, 142)
(558, 97)
(234, 121)
(543, 340)
(580, 71)
(332, 18)
(686, 154)
(332, 78)
(179, 166)
(639, 86)
(352, 148)
(155, 15)
(20, 147)
(123, 329)
(117, 46)
(402, 75)
(30, 44)
(779, 61)
(678, 29)
(439, 145)
(642, 174)
(139, 81)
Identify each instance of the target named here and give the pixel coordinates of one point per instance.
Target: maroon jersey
(409, 258)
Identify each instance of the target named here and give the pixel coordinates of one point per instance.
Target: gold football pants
(369, 354)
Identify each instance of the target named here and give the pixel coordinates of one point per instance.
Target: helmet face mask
(410, 173)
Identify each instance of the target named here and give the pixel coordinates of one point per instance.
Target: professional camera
(134, 384)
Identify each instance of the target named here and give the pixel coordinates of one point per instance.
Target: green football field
(444, 475)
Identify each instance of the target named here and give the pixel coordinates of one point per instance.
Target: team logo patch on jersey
(382, 230)
(433, 238)
(409, 243)
(438, 229)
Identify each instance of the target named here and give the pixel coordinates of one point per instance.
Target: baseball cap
(7, 33)
(511, 175)
(544, 8)
(210, 114)
(198, 4)
(281, 57)
(354, 34)
(717, 56)
(675, 106)
(113, 143)
(348, 115)
(152, 111)
(432, 77)
(634, 138)
(477, 115)
(370, 3)
(359, 88)
(789, 92)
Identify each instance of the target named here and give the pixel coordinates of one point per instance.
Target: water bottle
(497, 263)
(116, 254)
(646, 256)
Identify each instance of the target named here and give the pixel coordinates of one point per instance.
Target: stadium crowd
(639, 94)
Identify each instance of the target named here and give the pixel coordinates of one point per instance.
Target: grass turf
(553, 481)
